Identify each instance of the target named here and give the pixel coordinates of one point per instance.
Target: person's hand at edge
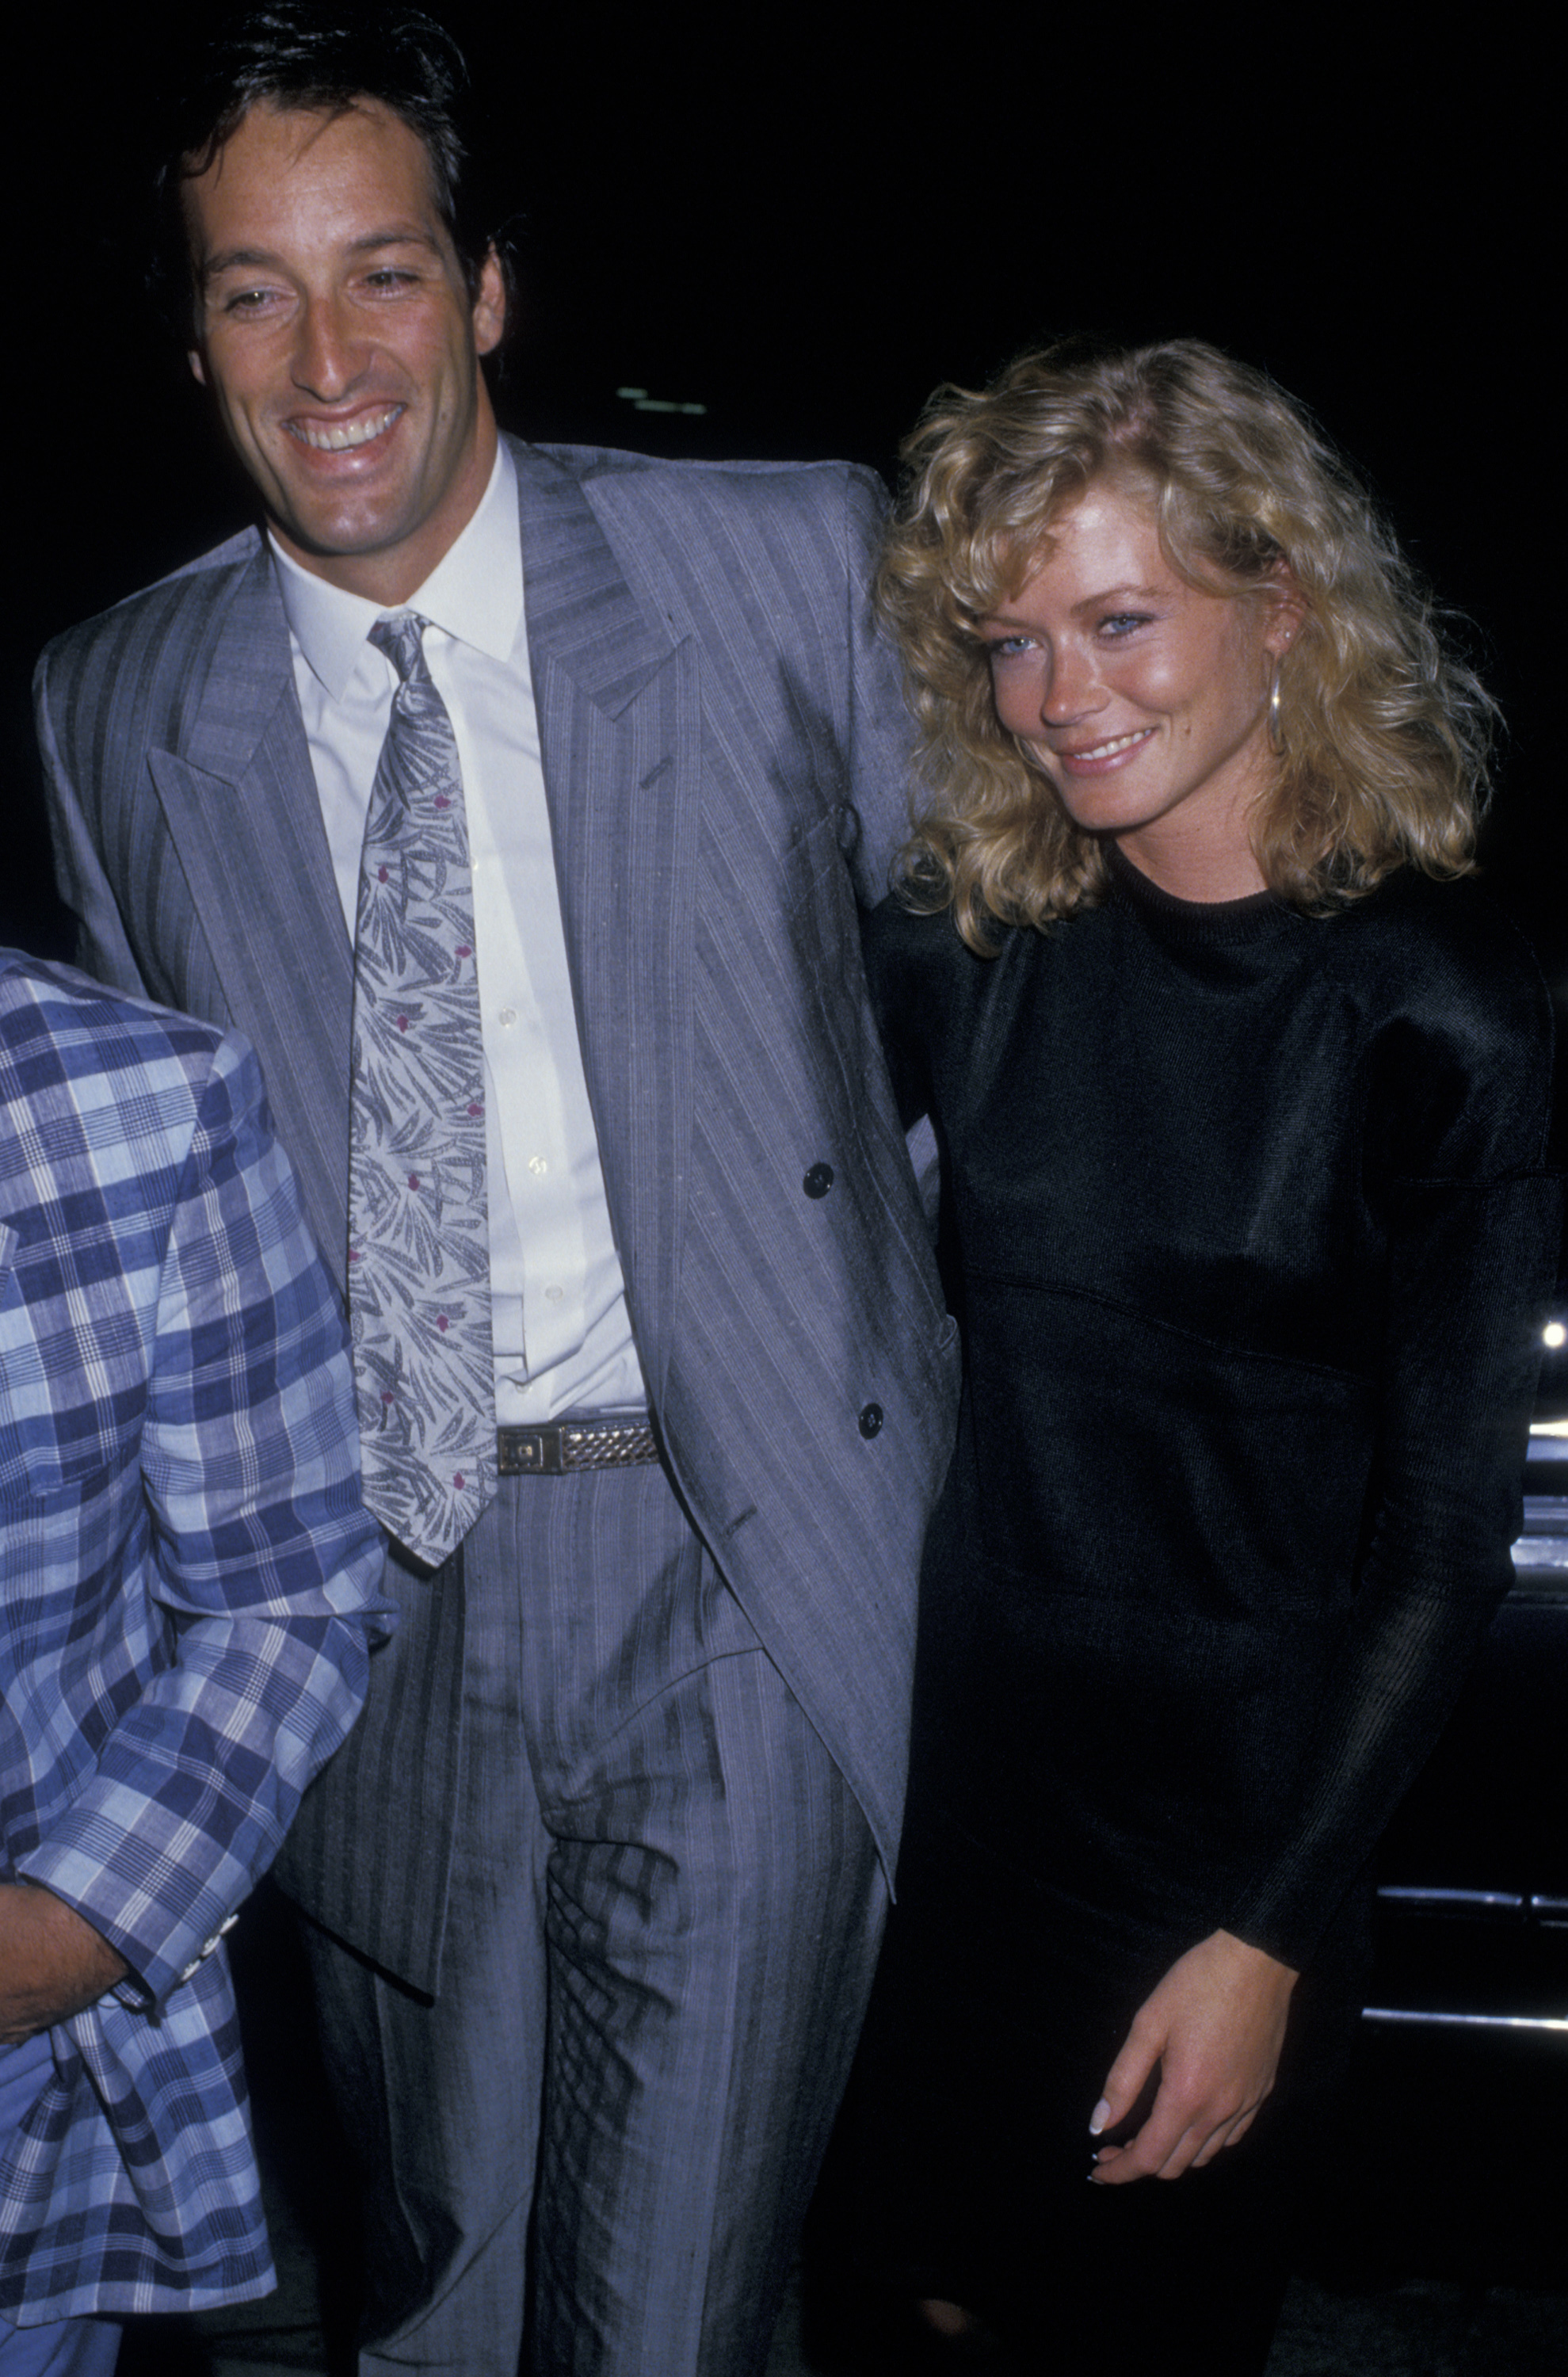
(51, 1961)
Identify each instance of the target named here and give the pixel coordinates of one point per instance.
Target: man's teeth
(1118, 743)
(337, 436)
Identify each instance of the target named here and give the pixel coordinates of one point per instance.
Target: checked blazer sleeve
(246, 1550)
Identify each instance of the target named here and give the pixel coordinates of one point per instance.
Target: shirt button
(538, 1166)
(871, 1420)
(818, 1180)
(554, 1294)
(508, 1015)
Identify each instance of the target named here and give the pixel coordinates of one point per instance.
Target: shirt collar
(474, 592)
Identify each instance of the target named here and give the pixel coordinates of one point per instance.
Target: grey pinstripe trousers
(665, 1913)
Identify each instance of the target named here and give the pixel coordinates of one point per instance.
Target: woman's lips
(1098, 758)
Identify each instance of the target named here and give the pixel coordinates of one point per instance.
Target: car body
(1472, 1921)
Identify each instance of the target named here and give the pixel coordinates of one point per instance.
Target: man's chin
(314, 537)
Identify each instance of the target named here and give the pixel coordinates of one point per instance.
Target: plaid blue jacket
(188, 1587)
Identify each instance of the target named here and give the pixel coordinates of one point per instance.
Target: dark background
(804, 221)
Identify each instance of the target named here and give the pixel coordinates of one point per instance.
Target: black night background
(803, 220)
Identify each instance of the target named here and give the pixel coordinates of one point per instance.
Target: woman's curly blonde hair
(1385, 733)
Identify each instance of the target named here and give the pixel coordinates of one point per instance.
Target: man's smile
(340, 437)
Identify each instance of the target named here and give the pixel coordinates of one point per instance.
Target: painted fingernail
(1099, 2118)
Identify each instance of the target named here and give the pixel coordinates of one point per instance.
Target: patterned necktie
(419, 1248)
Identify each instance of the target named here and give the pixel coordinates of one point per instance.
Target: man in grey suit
(588, 757)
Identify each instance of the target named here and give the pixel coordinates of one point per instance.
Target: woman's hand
(1214, 2026)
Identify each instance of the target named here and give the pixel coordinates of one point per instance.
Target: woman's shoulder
(1429, 945)
(1460, 1024)
(929, 987)
(903, 945)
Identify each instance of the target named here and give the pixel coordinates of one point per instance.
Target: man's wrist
(53, 1962)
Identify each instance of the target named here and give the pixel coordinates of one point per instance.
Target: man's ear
(198, 368)
(489, 305)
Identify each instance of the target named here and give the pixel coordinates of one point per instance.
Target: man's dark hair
(301, 55)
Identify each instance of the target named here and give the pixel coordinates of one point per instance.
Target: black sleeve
(1470, 1266)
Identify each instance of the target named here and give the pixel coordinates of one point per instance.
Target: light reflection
(640, 401)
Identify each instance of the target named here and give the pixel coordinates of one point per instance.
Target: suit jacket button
(818, 1180)
(871, 1420)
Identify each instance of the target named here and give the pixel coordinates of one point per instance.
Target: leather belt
(574, 1444)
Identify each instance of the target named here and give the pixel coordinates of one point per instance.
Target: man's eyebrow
(264, 259)
(235, 259)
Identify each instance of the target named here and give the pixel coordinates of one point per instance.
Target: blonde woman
(1241, 1090)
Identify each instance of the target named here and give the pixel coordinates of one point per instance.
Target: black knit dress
(1248, 1229)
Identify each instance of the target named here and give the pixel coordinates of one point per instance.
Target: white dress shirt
(558, 1319)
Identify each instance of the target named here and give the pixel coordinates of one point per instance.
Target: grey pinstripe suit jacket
(724, 752)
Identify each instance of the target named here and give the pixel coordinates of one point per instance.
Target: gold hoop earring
(1276, 737)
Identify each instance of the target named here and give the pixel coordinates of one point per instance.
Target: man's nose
(328, 356)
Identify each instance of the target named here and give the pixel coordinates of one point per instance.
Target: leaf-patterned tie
(419, 1246)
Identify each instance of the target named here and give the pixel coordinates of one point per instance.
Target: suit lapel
(620, 737)
(241, 808)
